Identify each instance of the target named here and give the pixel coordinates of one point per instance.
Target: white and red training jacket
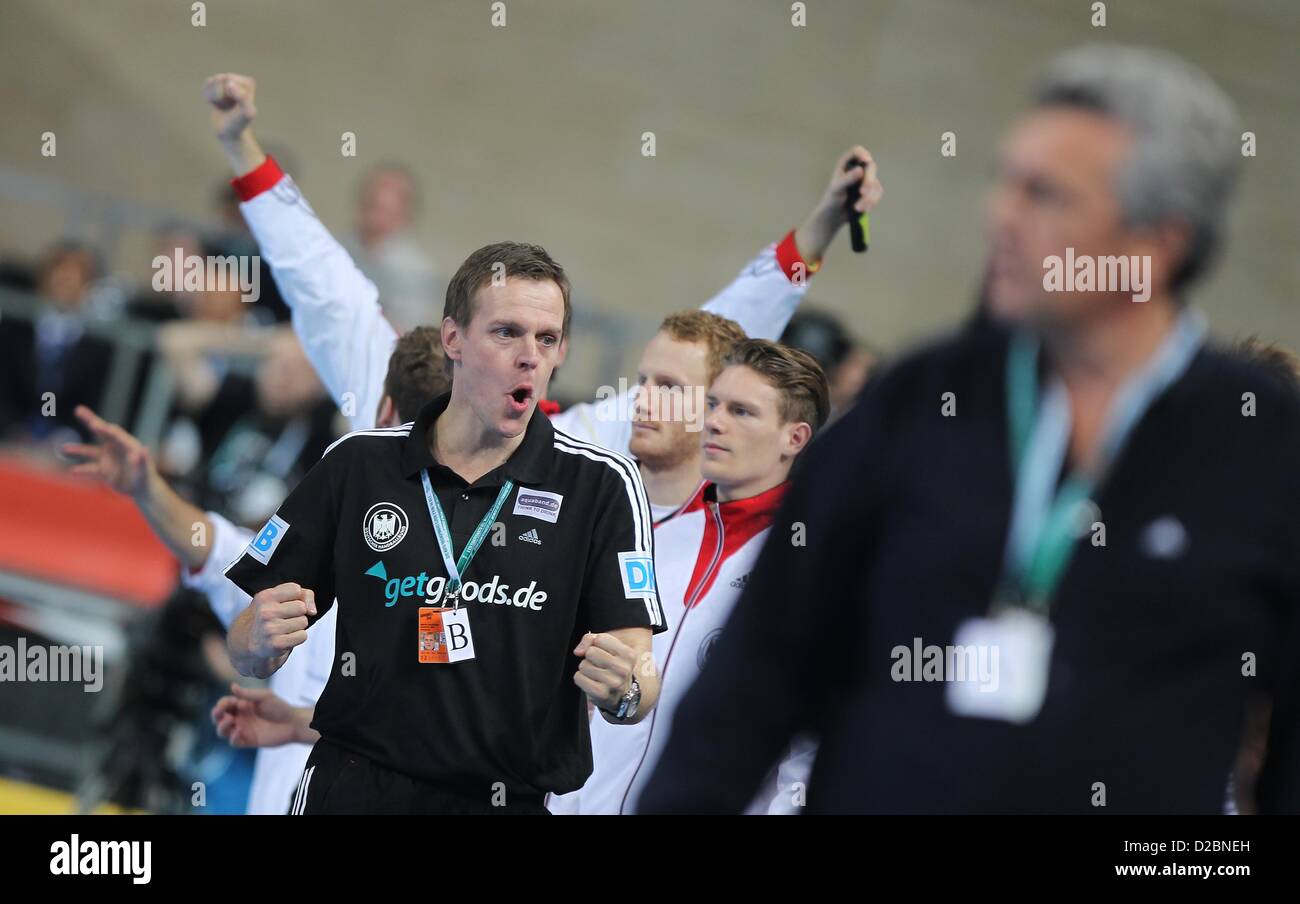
(703, 558)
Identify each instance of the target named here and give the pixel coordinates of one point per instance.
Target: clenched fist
(817, 231)
(863, 174)
(605, 673)
(279, 619)
(231, 97)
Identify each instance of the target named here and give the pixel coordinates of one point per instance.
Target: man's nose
(713, 421)
(529, 354)
(1002, 208)
(641, 406)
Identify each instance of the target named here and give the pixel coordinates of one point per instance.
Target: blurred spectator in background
(149, 303)
(16, 273)
(49, 365)
(179, 239)
(846, 362)
(385, 250)
(242, 438)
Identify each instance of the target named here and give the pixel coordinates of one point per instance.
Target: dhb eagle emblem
(384, 526)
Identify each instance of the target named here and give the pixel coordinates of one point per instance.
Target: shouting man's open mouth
(520, 397)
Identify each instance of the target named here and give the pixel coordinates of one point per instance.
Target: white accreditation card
(1014, 653)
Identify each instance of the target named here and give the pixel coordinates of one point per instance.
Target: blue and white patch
(538, 504)
(638, 572)
(262, 547)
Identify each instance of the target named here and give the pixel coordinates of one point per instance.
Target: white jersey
(703, 558)
(338, 319)
(299, 681)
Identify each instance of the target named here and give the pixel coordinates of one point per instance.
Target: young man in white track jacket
(763, 410)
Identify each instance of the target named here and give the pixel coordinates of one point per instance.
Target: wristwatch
(628, 705)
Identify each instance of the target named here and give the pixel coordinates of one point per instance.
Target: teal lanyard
(456, 567)
(1044, 518)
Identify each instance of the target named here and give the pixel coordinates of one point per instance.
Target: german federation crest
(384, 526)
(706, 647)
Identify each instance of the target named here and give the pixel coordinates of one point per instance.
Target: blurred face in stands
(166, 243)
(67, 278)
(670, 379)
(848, 378)
(286, 382)
(217, 307)
(386, 205)
(1055, 190)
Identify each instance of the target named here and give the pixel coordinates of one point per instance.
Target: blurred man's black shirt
(53, 355)
(251, 458)
(905, 513)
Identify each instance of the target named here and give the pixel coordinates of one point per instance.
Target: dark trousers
(338, 781)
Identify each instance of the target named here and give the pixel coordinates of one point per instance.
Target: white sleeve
(336, 311)
(228, 542)
(762, 299)
(565, 804)
(794, 769)
(607, 422)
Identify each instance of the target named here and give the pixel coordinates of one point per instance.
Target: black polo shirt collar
(528, 464)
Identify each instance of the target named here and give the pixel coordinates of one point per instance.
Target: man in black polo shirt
(489, 571)
(933, 605)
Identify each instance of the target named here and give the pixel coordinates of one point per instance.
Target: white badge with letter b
(1017, 643)
(445, 635)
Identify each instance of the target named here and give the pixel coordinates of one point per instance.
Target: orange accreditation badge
(445, 635)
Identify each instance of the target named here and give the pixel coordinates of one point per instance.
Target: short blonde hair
(718, 334)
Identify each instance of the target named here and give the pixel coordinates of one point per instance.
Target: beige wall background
(533, 131)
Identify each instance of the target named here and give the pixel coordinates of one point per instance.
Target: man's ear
(1167, 247)
(799, 437)
(451, 339)
(387, 415)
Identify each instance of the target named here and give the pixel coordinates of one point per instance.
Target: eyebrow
(744, 403)
(515, 325)
(748, 403)
(662, 378)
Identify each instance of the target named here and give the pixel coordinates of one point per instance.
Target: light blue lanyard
(1043, 517)
(455, 568)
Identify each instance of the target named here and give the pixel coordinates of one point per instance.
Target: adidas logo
(531, 537)
(741, 582)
